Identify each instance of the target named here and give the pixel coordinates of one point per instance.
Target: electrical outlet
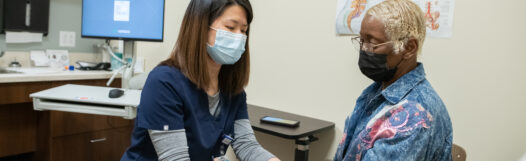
(67, 39)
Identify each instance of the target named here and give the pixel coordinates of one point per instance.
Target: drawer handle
(97, 140)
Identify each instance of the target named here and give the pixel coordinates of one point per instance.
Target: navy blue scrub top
(169, 101)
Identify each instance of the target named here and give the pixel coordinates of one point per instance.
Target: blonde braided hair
(403, 19)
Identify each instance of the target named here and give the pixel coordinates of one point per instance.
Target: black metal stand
(302, 148)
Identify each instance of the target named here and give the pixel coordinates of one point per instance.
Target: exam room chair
(458, 153)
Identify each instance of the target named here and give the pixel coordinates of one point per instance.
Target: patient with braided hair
(399, 116)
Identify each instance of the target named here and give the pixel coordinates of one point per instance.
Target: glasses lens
(356, 43)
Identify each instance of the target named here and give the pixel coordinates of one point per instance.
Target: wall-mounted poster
(438, 14)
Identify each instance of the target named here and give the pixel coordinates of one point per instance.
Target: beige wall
(300, 66)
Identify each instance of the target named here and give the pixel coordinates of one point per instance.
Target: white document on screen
(438, 14)
(121, 11)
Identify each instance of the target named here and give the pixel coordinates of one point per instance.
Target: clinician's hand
(274, 159)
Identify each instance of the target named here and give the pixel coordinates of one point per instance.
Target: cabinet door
(108, 145)
(17, 129)
(67, 123)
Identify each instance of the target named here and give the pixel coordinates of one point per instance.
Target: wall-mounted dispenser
(2, 16)
(26, 15)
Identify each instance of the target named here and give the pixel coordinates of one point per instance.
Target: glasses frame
(369, 47)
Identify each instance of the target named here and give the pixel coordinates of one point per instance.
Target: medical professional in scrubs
(193, 105)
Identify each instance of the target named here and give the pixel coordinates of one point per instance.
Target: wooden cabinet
(105, 145)
(55, 135)
(17, 129)
(66, 123)
(69, 136)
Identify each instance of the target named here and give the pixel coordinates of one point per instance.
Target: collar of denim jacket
(401, 87)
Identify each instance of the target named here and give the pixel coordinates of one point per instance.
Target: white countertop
(48, 74)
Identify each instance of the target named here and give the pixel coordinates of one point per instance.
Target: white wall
(300, 66)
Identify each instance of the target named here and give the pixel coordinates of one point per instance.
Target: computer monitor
(123, 19)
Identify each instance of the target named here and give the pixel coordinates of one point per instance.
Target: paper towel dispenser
(26, 15)
(2, 16)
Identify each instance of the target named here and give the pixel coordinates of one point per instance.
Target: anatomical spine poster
(438, 14)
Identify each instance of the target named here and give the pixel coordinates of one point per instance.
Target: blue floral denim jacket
(405, 121)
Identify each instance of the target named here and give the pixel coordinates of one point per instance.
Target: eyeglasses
(359, 44)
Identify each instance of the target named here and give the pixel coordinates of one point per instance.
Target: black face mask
(375, 67)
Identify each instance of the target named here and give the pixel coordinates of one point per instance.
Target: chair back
(458, 153)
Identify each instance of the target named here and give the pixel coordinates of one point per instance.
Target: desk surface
(48, 74)
(308, 125)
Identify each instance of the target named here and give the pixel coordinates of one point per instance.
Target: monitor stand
(129, 53)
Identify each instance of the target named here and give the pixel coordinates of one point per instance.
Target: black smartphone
(279, 121)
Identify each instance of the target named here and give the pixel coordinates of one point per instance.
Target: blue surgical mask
(228, 47)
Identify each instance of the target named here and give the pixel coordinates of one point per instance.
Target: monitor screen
(123, 19)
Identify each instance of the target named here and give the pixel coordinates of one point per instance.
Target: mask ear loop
(216, 35)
